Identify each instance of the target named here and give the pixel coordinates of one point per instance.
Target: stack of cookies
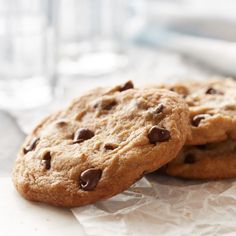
(107, 139)
(210, 152)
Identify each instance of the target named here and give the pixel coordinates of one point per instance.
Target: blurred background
(53, 50)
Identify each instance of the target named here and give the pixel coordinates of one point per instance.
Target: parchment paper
(160, 205)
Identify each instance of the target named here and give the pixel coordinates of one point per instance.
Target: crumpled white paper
(160, 205)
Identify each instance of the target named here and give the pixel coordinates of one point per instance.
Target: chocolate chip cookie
(100, 145)
(212, 105)
(209, 161)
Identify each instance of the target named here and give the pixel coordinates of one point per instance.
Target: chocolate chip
(126, 86)
(95, 105)
(31, 146)
(157, 134)
(189, 159)
(89, 179)
(197, 119)
(47, 160)
(110, 146)
(109, 106)
(213, 91)
(82, 135)
(159, 108)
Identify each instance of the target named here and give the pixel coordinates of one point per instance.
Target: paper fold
(159, 205)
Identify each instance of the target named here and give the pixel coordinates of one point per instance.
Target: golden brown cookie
(100, 145)
(209, 161)
(212, 105)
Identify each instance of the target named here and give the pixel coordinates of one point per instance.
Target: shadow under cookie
(210, 161)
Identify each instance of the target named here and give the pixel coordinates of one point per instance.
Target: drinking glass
(90, 36)
(26, 58)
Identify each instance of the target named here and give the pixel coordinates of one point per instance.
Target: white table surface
(21, 217)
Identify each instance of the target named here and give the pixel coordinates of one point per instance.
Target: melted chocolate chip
(189, 159)
(47, 160)
(197, 119)
(126, 86)
(82, 135)
(159, 108)
(89, 179)
(110, 146)
(213, 91)
(157, 134)
(31, 146)
(109, 106)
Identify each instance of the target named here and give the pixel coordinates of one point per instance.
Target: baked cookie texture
(210, 161)
(212, 105)
(100, 145)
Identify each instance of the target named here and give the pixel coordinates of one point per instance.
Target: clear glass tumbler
(90, 36)
(25, 54)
